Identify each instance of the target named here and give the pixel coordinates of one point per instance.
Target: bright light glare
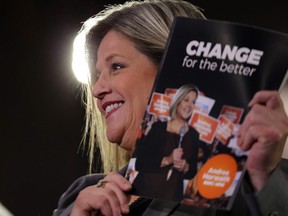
(79, 62)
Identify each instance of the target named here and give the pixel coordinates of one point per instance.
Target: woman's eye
(117, 66)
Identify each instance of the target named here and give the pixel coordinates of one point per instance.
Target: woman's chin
(113, 137)
(125, 139)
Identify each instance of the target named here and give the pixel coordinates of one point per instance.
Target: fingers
(266, 120)
(93, 198)
(118, 180)
(118, 187)
(107, 197)
(178, 162)
(263, 132)
(260, 124)
(177, 154)
(180, 165)
(271, 99)
(258, 134)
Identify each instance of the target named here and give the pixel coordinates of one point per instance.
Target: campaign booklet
(227, 63)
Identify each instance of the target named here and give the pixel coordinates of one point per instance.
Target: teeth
(187, 110)
(112, 107)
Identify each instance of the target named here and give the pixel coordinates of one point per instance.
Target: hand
(263, 132)
(179, 163)
(109, 199)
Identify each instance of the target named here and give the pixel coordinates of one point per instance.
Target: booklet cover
(186, 151)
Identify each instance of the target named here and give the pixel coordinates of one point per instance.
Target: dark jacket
(270, 201)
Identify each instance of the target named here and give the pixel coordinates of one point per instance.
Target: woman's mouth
(112, 107)
(188, 110)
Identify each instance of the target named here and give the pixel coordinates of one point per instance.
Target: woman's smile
(125, 79)
(186, 106)
(111, 107)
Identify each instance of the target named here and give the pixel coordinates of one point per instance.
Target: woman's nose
(101, 87)
(191, 105)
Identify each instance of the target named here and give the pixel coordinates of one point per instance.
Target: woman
(171, 147)
(124, 47)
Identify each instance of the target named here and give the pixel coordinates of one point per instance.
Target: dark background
(41, 115)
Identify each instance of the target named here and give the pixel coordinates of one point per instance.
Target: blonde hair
(180, 95)
(147, 24)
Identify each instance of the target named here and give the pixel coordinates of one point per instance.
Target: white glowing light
(79, 62)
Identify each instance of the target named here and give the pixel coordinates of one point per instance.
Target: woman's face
(186, 106)
(125, 79)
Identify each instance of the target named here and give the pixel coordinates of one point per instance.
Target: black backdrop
(41, 116)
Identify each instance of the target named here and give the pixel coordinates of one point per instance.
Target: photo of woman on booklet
(168, 152)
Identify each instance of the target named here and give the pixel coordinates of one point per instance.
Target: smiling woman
(121, 69)
(151, 40)
(171, 147)
(124, 48)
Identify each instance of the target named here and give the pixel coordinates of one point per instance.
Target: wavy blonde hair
(147, 24)
(180, 95)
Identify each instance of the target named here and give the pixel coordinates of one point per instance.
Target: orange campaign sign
(232, 113)
(225, 129)
(216, 176)
(205, 125)
(170, 92)
(159, 105)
